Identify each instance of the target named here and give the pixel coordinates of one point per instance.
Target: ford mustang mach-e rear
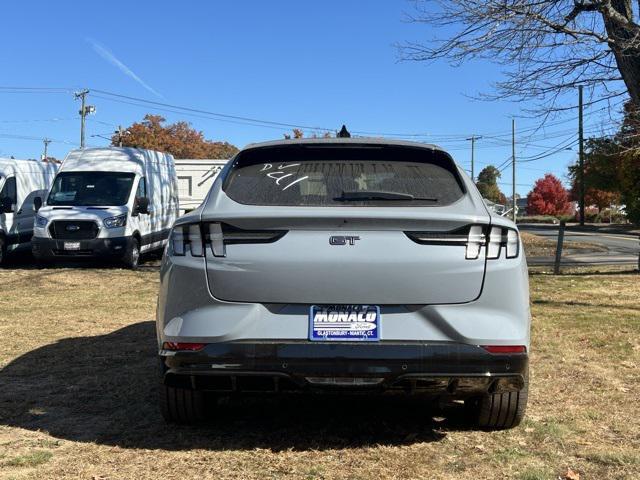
(344, 265)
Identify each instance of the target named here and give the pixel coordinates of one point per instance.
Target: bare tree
(547, 47)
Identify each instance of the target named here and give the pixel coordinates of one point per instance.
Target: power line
(38, 139)
(215, 114)
(517, 184)
(492, 139)
(101, 122)
(441, 138)
(552, 152)
(34, 120)
(161, 109)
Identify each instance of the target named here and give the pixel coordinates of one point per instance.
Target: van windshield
(97, 189)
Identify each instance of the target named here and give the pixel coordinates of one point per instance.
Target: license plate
(344, 323)
(72, 245)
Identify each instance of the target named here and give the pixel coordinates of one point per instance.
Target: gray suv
(344, 265)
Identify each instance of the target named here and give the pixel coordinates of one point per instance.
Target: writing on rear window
(329, 177)
(280, 175)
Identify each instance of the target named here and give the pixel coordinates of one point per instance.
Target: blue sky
(309, 63)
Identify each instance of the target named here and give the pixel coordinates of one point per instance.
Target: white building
(195, 177)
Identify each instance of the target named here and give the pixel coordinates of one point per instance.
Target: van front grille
(73, 229)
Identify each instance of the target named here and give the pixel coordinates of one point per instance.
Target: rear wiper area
(379, 195)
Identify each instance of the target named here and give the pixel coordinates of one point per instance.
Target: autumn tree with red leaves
(595, 197)
(297, 133)
(179, 139)
(548, 197)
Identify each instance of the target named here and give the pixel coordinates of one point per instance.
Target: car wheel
(3, 251)
(500, 411)
(132, 257)
(182, 405)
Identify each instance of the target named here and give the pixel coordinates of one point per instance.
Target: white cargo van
(108, 202)
(20, 182)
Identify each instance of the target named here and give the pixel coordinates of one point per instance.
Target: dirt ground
(78, 396)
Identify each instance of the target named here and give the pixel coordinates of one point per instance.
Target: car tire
(182, 405)
(132, 257)
(500, 411)
(3, 251)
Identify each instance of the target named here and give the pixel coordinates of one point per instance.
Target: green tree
(487, 183)
(612, 167)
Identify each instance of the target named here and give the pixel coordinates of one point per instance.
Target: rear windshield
(338, 176)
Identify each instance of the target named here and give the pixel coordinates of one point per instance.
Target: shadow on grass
(573, 303)
(103, 389)
(24, 261)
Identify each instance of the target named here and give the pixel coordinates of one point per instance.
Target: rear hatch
(344, 224)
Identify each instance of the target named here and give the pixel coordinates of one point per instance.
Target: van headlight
(115, 222)
(41, 221)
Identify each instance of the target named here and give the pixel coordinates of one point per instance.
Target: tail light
(473, 238)
(475, 241)
(506, 238)
(505, 348)
(195, 238)
(183, 346)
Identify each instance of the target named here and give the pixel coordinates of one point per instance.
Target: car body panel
(253, 304)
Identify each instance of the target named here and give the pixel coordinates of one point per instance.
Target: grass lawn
(78, 387)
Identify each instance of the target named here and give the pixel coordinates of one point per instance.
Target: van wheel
(3, 250)
(132, 257)
(182, 405)
(500, 411)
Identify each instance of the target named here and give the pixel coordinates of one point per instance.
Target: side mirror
(37, 203)
(6, 205)
(142, 205)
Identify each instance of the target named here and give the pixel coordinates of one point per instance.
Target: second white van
(21, 181)
(108, 203)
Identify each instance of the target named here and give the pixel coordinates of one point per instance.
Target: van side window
(142, 188)
(9, 191)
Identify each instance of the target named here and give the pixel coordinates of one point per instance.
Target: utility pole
(473, 139)
(46, 142)
(120, 134)
(513, 164)
(84, 111)
(581, 153)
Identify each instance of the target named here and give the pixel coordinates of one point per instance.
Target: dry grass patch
(32, 459)
(77, 371)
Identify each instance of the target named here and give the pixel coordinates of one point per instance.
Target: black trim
(25, 236)
(11, 239)
(233, 235)
(458, 236)
(83, 229)
(49, 248)
(442, 368)
(155, 237)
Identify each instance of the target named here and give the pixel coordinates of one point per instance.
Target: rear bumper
(49, 248)
(453, 369)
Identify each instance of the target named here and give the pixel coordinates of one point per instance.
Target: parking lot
(78, 377)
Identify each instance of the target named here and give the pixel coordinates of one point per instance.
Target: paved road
(622, 248)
